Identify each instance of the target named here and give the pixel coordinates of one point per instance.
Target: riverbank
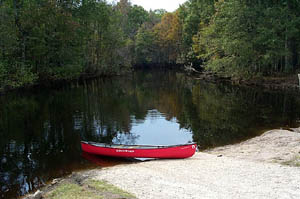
(275, 146)
(80, 185)
(57, 83)
(286, 82)
(267, 166)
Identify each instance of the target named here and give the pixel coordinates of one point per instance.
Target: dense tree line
(235, 37)
(248, 36)
(63, 39)
(47, 40)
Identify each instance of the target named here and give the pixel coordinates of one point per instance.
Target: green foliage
(250, 37)
(105, 187)
(64, 39)
(3, 74)
(17, 75)
(67, 72)
(136, 17)
(23, 76)
(144, 47)
(70, 190)
(193, 13)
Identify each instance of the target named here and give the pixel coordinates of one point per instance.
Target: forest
(49, 40)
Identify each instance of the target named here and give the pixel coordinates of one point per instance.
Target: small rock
(38, 194)
(219, 156)
(54, 181)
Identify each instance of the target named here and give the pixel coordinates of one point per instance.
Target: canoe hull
(170, 152)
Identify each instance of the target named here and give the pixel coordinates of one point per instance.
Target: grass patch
(89, 189)
(71, 191)
(105, 187)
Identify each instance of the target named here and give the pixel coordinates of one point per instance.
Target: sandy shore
(275, 146)
(250, 169)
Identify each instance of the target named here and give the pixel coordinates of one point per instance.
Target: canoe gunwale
(122, 146)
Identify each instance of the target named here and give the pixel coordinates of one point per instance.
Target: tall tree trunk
(17, 7)
(288, 57)
(294, 55)
(287, 67)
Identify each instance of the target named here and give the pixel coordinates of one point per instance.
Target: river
(41, 129)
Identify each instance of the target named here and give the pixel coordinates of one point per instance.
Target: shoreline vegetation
(250, 42)
(280, 82)
(80, 185)
(271, 156)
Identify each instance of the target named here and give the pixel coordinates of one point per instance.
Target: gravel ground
(207, 175)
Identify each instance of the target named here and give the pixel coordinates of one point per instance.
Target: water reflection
(155, 129)
(106, 161)
(41, 132)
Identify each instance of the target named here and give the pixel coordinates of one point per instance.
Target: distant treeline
(45, 40)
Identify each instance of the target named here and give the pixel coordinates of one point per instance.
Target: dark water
(40, 131)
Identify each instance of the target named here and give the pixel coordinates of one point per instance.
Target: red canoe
(140, 151)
